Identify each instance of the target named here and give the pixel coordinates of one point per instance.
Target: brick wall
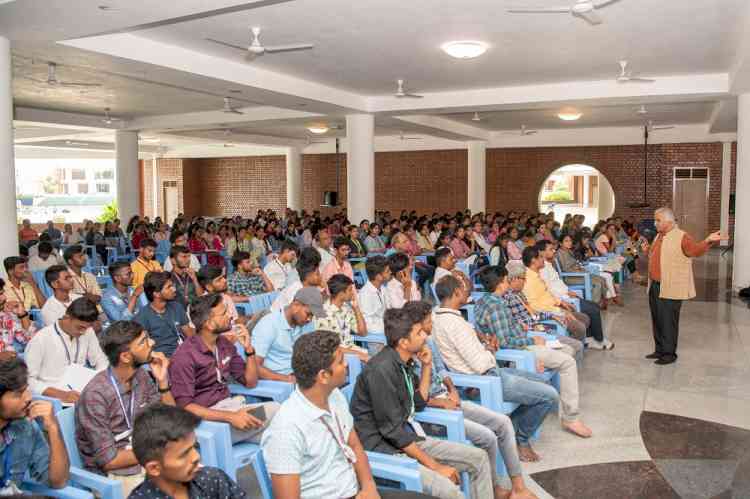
(429, 181)
(515, 175)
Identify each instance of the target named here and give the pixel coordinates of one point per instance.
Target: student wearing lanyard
(183, 277)
(84, 283)
(164, 318)
(21, 286)
(145, 263)
(70, 340)
(387, 395)
(24, 450)
(115, 397)
(343, 315)
(311, 449)
(280, 267)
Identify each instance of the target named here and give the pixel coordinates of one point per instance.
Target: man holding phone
(203, 365)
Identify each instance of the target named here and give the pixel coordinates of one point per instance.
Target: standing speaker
(330, 198)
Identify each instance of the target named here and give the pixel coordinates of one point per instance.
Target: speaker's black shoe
(667, 359)
(655, 355)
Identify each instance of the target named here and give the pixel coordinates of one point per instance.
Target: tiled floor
(639, 448)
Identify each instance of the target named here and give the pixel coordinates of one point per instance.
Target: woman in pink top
(604, 243)
(460, 249)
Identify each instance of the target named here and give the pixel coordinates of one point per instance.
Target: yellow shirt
(140, 268)
(23, 294)
(539, 296)
(85, 284)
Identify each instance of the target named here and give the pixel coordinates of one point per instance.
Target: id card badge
(125, 435)
(417, 427)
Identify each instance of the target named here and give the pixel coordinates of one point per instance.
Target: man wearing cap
(274, 336)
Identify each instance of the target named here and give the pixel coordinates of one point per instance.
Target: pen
(71, 388)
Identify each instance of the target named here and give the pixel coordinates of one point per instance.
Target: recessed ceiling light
(318, 129)
(466, 49)
(569, 114)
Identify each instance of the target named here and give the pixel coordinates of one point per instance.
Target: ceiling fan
(54, 82)
(524, 131)
(401, 93)
(652, 127)
(626, 76)
(109, 119)
(476, 117)
(585, 9)
(642, 110)
(403, 137)
(256, 49)
(228, 107)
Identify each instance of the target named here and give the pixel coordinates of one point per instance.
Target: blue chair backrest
(41, 282)
(67, 421)
(142, 301)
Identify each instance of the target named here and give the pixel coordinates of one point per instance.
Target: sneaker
(601, 345)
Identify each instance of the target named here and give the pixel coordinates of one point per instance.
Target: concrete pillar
(741, 267)
(360, 164)
(8, 214)
(476, 178)
(127, 174)
(726, 179)
(294, 198)
(155, 186)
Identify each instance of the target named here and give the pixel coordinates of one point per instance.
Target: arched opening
(577, 189)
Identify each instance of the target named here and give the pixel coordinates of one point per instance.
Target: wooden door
(691, 200)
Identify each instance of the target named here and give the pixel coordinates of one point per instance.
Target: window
(83, 188)
(78, 174)
(102, 187)
(104, 175)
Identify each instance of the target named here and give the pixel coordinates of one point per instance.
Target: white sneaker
(587, 340)
(601, 345)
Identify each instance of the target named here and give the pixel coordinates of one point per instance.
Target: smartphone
(258, 412)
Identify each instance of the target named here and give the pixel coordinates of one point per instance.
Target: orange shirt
(689, 248)
(28, 235)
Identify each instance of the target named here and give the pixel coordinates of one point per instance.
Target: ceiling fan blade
(230, 45)
(232, 111)
(592, 17)
(605, 3)
(531, 132)
(77, 84)
(410, 96)
(640, 80)
(289, 48)
(541, 10)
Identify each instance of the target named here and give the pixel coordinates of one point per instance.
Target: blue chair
(162, 251)
(584, 288)
(104, 281)
(257, 303)
(36, 317)
(68, 492)
(104, 487)
(360, 277)
(41, 283)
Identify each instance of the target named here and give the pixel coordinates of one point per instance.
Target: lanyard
(348, 452)
(128, 420)
(172, 325)
(410, 389)
(81, 283)
(143, 264)
(219, 377)
(185, 287)
(281, 266)
(67, 352)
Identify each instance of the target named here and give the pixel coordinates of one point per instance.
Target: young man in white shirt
(280, 270)
(446, 265)
(373, 299)
(179, 238)
(45, 258)
(70, 340)
(308, 270)
(311, 448)
(60, 280)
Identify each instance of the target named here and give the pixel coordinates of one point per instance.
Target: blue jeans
(535, 398)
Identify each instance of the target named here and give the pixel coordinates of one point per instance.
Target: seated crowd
(145, 354)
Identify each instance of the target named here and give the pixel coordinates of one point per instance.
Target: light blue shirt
(273, 339)
(115, 305)
(297, 442)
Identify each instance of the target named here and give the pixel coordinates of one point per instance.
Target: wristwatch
(25, 314)
(250, 354)
(165, 390)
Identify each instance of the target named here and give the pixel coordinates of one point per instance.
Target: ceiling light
(317, 129)
(569, 114)
(466, 49)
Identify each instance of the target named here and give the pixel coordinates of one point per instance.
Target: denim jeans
(533, 394)
(492, 432)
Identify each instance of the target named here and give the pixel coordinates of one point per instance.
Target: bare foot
(522, 494)
(501, 493)
(527, 454)
(577, 428)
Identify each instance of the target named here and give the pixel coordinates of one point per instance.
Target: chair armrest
(205, 439)
(547, 337)
(278, 391)
(67, 492)
(490, 388)
(523, 359)
(409, 478)
(559, 328)
(106, 488)
(371, 338)
(392, 459)
(354, 365)
(453, 421)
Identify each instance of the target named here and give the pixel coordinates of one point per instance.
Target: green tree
(109, 213)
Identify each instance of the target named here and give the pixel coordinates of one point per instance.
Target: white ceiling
(360, 49)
